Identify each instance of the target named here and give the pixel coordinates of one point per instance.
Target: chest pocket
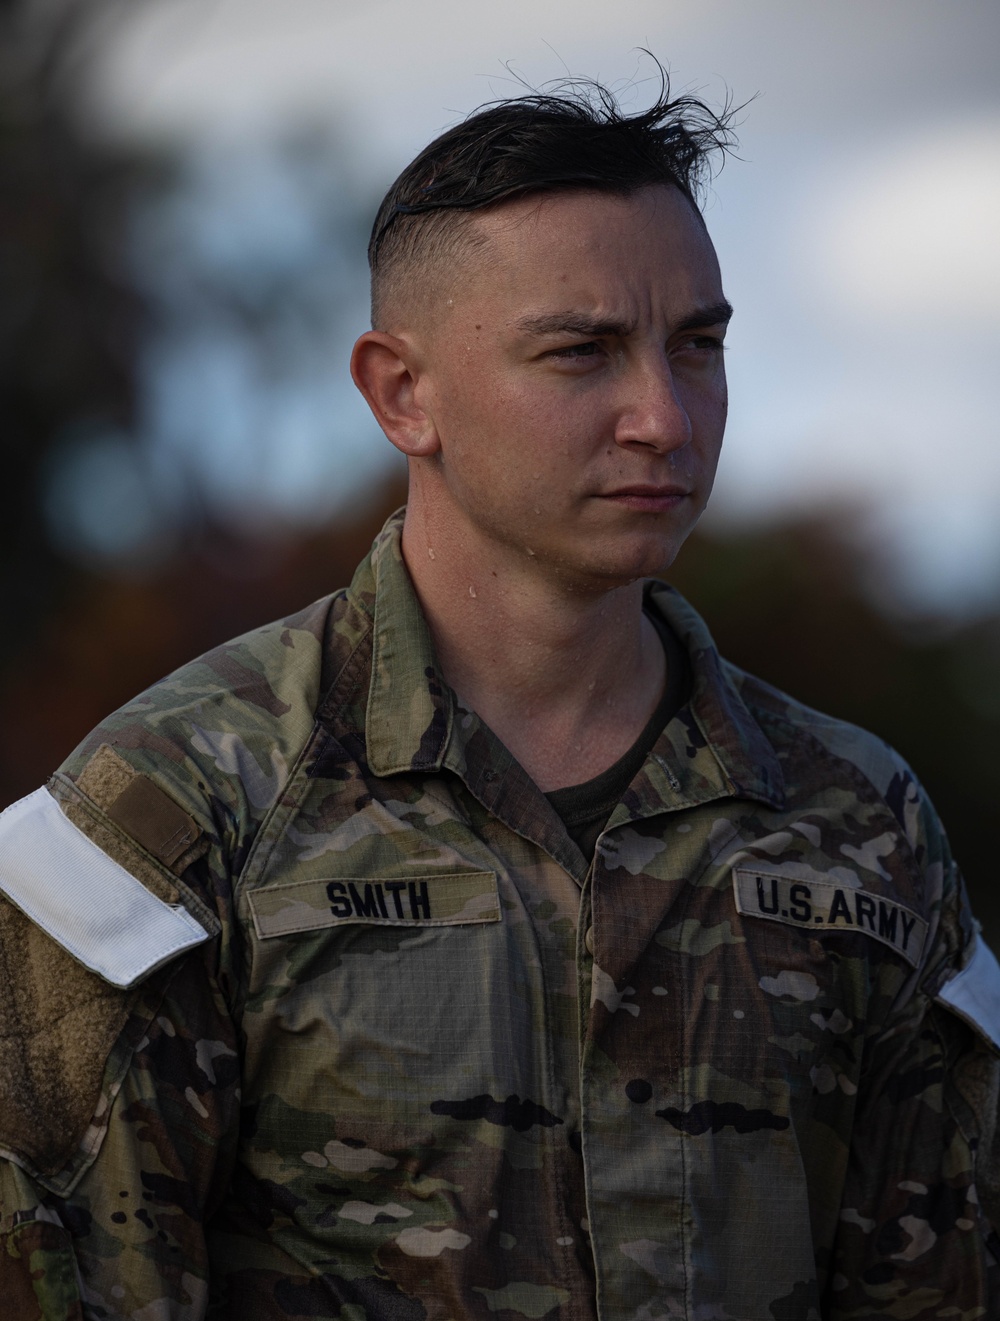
(449, 899)
(371, 999)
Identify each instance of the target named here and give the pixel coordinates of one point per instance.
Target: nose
(652, 412)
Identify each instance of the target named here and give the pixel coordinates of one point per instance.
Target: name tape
(452, 899)
(827, 906)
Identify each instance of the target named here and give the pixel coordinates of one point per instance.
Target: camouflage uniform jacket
(312, 1008)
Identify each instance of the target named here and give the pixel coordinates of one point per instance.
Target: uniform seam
(685, 1099)
(560, 1186)
(585, 917)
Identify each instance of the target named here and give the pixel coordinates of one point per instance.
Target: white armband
(86, 901)
(973, 993)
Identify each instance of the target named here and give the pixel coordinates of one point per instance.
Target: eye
(702, 343)
(589, 349)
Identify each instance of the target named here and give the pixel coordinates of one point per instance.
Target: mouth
(647, 498)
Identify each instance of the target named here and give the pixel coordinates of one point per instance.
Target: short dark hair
(571, 137)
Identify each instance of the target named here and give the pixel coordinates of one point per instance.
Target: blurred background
(187, 187)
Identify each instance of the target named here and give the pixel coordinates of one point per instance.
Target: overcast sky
(857, 234)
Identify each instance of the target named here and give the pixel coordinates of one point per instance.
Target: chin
(652, 554)
(622, 564)
(644, 550)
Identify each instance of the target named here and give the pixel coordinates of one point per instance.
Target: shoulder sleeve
(89, 908)
(119, 1228)
(120, 967)
(125, 864)
(920, 1210)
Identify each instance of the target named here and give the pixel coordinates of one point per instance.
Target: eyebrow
(717, 314)
(571, 323)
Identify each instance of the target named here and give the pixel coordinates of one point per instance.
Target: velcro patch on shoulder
(85, 900)
(974, 993)
(141, 809)
(450, 899)
(817, 905)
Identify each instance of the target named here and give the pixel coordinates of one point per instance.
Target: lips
(647, 492)
(647, 499)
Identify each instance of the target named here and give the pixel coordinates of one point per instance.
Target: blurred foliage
(114, 635)
(174, 328)
(68, 321)
(791, 602)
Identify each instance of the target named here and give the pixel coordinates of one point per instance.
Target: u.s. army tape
(817, 905)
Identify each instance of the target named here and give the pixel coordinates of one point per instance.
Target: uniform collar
(714, 748)
(411, 709)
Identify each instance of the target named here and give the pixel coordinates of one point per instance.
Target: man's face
(572, 368)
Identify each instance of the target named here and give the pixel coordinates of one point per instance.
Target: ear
(385, 370)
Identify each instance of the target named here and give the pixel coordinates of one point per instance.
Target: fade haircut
(571, 137)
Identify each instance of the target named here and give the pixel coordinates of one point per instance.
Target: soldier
(477, 941)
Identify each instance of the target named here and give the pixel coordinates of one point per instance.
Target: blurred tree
(174, 330)
(115, 635)
(68, 319)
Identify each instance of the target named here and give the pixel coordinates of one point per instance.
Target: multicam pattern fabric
(429, 1063)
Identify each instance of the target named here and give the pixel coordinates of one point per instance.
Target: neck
(565, 677)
